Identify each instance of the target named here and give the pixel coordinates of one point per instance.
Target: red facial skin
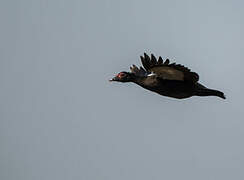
(120, 75)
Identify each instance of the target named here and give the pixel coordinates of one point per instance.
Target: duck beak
(114, 79)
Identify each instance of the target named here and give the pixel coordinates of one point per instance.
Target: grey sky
(61, 119)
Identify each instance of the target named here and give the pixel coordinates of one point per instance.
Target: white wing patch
(151, 74)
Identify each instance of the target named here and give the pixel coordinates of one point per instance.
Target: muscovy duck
(167, 79)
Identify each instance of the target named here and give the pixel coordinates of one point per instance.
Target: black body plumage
(167, 79)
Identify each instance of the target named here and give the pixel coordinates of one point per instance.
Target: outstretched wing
(138, 71)
(165, 70)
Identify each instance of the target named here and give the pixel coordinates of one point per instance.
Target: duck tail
(210, 92)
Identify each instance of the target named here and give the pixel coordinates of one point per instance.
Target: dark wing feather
(165, 70)
(144, 63)
(166, 62)
(138, 71)
(153, 60)
(160, 60)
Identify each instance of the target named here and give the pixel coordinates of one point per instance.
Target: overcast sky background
(61, 119)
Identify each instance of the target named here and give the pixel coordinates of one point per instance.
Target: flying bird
(165, 78)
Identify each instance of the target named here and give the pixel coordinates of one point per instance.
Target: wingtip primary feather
(160, 60)
(153, 60)
(166, 62)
